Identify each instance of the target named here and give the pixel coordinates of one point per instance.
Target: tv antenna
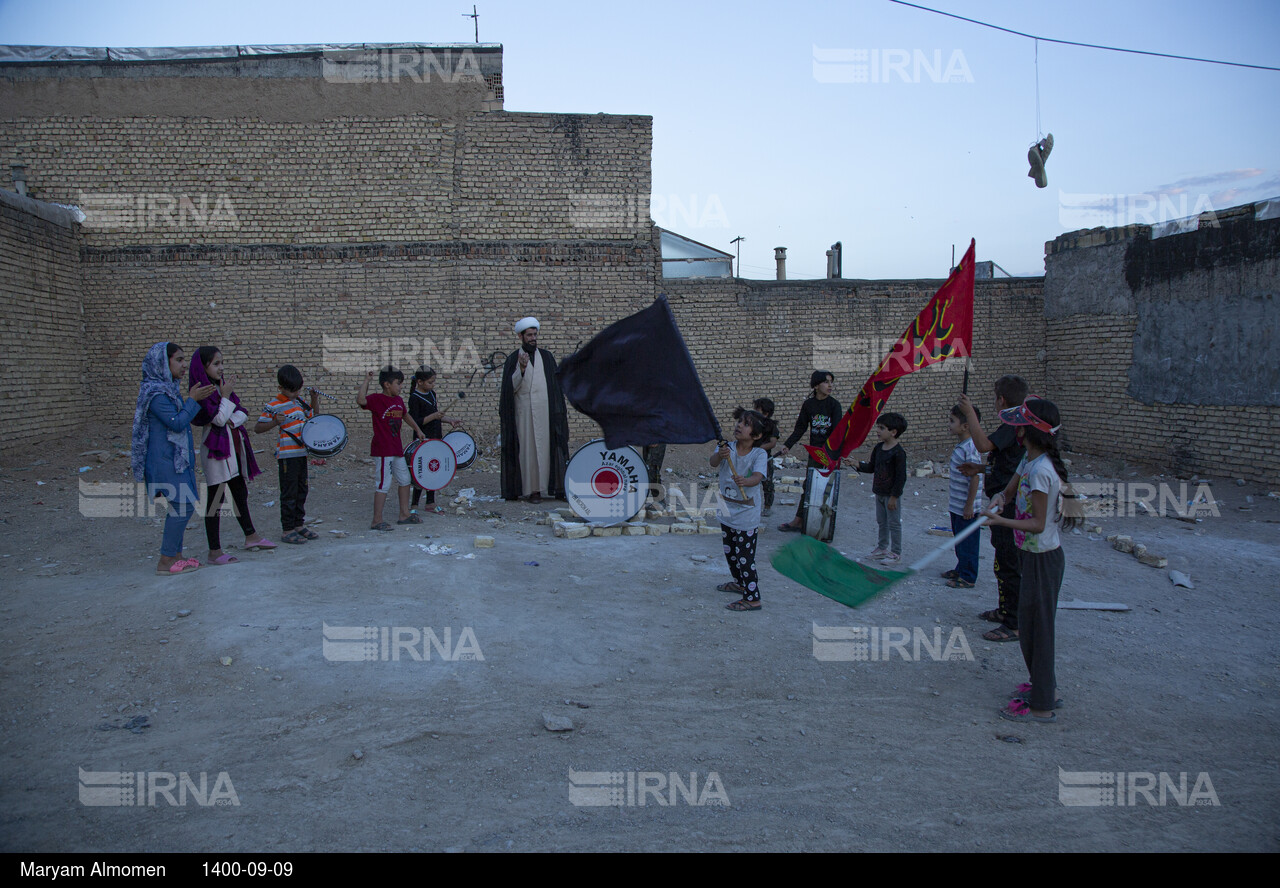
(738, 240)
(474, 16)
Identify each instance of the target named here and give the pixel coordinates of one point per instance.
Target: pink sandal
(225, 558)
(179, 567)
(263, 543)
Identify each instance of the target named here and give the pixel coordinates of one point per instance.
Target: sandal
(1023, 692)
(308, 533)
(788, 528)
(435, 510)
(950, 574)
(957, 583)
(730, 587)
(179, 567)
(383, 526)
(991, 616)
(1001, 634)
(263, 543)
(412, 519)
(293, 538)
(225, 558)
(1017, 711)
(743, 605)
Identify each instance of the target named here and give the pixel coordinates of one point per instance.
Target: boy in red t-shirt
(388, 454)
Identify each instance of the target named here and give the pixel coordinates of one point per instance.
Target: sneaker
(1037, 154)
(877, 553)
(891, 558)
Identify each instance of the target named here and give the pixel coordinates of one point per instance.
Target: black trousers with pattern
(740, 552)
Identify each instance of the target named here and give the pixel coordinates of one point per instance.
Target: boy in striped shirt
(287, 413)
(963, 501)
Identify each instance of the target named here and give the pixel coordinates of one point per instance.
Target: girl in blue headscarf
(163, 448)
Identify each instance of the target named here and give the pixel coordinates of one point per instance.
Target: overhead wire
(1163, 55)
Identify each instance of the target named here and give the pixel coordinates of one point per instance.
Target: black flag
(637, 381)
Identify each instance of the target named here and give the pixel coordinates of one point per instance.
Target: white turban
(525, 323)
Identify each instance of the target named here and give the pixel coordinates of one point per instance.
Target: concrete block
(1153, 560)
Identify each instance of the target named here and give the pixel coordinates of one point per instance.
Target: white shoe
(1037, 154)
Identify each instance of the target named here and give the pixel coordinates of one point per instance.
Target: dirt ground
(628, 639)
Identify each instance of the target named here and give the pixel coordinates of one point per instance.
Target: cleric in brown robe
(534, 421)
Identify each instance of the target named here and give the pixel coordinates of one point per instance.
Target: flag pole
(724, 443)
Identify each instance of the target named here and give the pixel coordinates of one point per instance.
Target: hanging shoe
(1037, 154)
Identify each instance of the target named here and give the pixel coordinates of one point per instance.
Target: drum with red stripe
(606, 486)
(432, 463)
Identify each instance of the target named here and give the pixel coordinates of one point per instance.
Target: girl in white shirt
(1037, 486)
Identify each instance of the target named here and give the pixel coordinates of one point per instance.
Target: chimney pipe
(780, 254)
(19, 178)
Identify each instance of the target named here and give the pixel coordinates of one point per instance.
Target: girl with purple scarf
(162, 447)
(227, 455)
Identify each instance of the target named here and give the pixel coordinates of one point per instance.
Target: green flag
(823, 569)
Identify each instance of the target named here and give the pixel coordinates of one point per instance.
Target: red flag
(943, 329)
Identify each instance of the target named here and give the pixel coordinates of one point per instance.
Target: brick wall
(1210, 296)
(423, 236)
(146, 181)
(43, 357)
(337, 311)
(753, 339)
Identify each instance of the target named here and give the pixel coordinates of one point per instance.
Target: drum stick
(461, 396)
(321, 394)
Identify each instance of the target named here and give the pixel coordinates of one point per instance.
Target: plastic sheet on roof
(1267, 209)
(52, 54)
(179, 53)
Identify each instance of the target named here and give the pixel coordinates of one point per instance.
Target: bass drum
(818, 504)
(606, 486)
(324, 435)
(464, 447)
(432, 463)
